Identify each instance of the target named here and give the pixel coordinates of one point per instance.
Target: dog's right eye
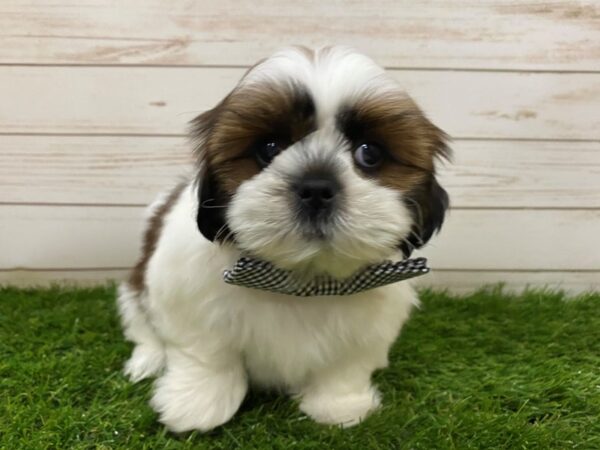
(266, 151)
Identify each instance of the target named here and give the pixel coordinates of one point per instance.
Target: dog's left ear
(210, 216)
(429, 202)
(428, 206)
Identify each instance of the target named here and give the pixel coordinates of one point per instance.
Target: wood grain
(132, 170)
(518, 239)
(90, 169)
(523, 174)
(539, 34)
(158, 101)
(106, 237)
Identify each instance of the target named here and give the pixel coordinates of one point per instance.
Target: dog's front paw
(146, 361)
(346, 409)
(196, 399)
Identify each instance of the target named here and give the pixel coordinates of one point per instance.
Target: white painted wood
(43, 278)
(538, 34)
(518, 239)
(459, 282)
(161, 100)
(529, 73)
(103, 237)
(523, 174)
(90, 169)
(132, 170)
(463, 282)
(69, 237)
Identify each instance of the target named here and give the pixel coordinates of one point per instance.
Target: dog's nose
(317, 195)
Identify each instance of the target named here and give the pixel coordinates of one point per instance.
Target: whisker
(205, 204)
(419, 221)
(411, 246)
(417, 208)
(221, 230)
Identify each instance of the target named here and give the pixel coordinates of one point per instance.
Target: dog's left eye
(266, 151)
(368, 156)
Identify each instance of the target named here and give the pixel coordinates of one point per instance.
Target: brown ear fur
(429, 201)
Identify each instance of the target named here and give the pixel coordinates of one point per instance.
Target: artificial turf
(490, 370)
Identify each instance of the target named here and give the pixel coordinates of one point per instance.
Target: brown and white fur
(317, 161)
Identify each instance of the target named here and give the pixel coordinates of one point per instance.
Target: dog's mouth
(319, 233)
(320, 257)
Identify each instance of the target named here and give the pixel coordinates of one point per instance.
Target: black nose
(317, 195)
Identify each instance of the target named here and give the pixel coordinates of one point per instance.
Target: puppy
(318, 163)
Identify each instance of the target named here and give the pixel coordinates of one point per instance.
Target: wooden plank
(463, 282)
(538, 34)
(90, 169)
(132, 170)
(162, 100)
(73, 237)
(103, 237)
(43, 278)
(523, 174)
(459, 282)
(518, 239)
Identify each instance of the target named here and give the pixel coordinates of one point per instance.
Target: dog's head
(319, 161)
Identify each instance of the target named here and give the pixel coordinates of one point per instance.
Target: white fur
(206, 340)
(370, 224)
(213, 335)
(148, 355)
(335, 75)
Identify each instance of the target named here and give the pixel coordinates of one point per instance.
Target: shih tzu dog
(318, 163)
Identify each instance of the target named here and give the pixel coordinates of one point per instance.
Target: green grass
(487, 371)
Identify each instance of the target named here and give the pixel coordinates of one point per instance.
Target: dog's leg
(199, 392)
(148, 356)
(342, 394)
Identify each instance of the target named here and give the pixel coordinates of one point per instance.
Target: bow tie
(257, 274)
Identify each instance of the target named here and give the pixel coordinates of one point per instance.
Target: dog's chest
(283, 340)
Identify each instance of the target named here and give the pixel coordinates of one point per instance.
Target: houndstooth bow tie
(257, 274)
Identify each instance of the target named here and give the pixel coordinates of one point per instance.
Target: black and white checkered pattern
(257, 274)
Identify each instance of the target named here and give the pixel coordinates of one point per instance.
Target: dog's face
(318, 161)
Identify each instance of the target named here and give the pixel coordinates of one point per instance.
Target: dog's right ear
(210, 216)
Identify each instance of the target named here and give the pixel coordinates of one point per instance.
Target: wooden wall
(95, 96)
